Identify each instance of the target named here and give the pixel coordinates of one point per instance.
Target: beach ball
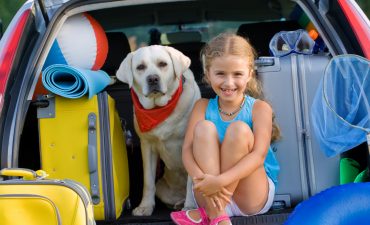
(81, 43)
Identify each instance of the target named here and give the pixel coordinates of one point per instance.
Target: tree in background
(8, 8)
(365, 6)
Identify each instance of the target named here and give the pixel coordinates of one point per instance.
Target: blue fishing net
(340, 112)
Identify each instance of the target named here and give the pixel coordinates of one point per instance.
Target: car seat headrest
(181, 37)
(118, 48)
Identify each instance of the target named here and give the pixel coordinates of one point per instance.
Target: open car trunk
(289, 83)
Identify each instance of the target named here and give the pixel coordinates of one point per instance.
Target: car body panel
(360, 24)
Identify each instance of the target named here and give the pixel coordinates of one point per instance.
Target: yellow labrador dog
(163, 91)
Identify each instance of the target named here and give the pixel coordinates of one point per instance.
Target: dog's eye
(141, 67)
(162, 64)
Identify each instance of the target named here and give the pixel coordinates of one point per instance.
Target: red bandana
(147, 119)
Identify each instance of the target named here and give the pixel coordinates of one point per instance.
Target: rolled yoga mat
(72, 82)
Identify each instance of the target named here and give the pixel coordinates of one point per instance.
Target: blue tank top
(245, 114)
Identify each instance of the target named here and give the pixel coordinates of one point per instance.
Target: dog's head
(153, 72)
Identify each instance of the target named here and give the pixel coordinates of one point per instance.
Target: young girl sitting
(226, 149)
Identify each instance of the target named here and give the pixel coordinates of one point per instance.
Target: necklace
(233, 112)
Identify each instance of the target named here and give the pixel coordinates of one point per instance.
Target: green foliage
(8, 8)
(365, 5)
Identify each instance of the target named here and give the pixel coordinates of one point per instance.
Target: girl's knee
(205, 129)
(239, 129)
(239, 132)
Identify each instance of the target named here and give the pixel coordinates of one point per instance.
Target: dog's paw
(179, 205)
(143, 211)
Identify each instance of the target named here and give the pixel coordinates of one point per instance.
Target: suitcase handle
(26, 174)
(93, 158)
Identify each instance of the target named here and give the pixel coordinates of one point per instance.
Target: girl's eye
(162, 64)
(238, 74)
(141, 67)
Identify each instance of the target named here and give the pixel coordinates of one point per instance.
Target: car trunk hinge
(43, 11)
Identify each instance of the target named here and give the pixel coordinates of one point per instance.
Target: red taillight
(359, 26)
(7, 53)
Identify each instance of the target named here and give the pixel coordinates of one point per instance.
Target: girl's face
(228, 76)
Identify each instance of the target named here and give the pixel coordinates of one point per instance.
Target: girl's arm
(197, 115)
(262, 128)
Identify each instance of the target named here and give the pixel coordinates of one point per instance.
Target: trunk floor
(161, 216)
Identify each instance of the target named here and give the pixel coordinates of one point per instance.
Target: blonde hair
(232, 44)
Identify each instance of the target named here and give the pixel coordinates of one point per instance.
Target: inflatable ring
(340, 205)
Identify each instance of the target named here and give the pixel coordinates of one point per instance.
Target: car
(336, 27)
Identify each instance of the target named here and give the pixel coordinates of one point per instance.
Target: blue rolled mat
(72, 82)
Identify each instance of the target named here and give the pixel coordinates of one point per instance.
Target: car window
(171, 34)
(215, 22)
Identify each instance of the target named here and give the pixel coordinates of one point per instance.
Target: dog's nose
(153, 79)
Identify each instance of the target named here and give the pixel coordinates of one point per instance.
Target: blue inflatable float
(347, 204)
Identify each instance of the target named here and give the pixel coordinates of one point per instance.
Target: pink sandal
(183, 218)
(216, 220)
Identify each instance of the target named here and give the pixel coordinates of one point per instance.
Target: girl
(226, 148)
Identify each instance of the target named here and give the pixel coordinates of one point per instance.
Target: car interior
(289, 83)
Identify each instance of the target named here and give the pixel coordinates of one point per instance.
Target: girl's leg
(206, 151)
(250, 193)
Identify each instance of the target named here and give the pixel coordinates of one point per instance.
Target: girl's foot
(190, 217)
(221, 220)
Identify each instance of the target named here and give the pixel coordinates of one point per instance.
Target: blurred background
(8, 8)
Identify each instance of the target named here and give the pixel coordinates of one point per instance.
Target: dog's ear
(124, 72)
(180, 61)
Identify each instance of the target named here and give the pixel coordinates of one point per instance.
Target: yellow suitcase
(83, 140)
(34, 200)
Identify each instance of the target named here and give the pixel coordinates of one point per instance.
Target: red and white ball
(81, 43)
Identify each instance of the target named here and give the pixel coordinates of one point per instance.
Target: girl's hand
(209, 185)
(221, 199)
(225, 195)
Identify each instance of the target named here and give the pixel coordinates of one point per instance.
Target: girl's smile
(228, 92)
(228, 76)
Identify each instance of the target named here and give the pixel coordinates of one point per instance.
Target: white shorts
(232, 208)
